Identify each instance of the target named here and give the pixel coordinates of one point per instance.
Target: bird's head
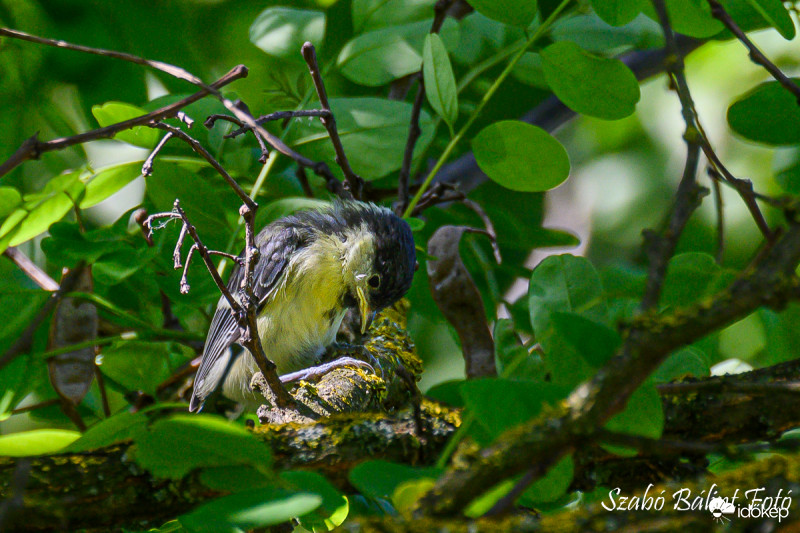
(380, 257)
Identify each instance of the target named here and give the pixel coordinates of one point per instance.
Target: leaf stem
(486, 97)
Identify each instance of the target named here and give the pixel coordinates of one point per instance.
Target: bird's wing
(276, 246)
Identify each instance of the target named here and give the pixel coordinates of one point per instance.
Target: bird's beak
(364, 310)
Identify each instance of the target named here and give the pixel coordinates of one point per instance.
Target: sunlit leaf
(177, 445)
(36, 442)
(521, 157)
(440, 84)
(281, 31)
(113, 112)
(589, 84)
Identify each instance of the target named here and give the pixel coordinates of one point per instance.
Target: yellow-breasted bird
(313, 267)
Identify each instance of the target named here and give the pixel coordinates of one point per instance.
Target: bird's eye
(374, 281)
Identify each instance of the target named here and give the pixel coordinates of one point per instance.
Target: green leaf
(776, 15)
(113, 112)
(512, 358)
(36, 442)
(595, 342)
(334, 508)
(593, 34)
(235, 478)
(440, 83)
(40, 210)
(499, 404)
(281, 31)
(379, 479)
(617, 12)
(177, 445)
(194, 190)
(689, 17)
(10, 198)
(408, 493)
(137, 365)
(789, 179)
(120, 427)
(249, 510)
(685, 362)
(564, 283)
(372, 14)
(768, 114)
(378, 57)
(488, 499)
(553, 485)
(373, 133)
(529, 70)
(689, 277)
(521, 157)
(643, 416)
(588, 84)
(515, 12)
(109, 180)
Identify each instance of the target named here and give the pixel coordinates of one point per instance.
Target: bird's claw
(316, 372)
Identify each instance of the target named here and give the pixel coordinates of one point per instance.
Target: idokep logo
(753, 503)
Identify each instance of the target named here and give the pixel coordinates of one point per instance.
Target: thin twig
(253, 340)
(31, 269)
(101, 384)
(302, 177)
(278, 115)
(32, 148)
(179, 214)
(243, 115)
(147, 166)
(720, 210)
(414, 130)
(198, 148)
(719, 13)
(212, 119)
(354, 184)
(689, 194)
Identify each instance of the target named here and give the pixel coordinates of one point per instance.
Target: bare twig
(147, 166)
(212, 119)
(241, 114)
(720, 210)
(689, 195)
(197, 147)
(414, 130)
(33, 148)
(278, 115)
(302, 177)
(31, 269)
(354, 184)
(253, 340)
(719, 13)
(178, 213)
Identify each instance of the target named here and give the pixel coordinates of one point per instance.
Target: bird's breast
(303, 317)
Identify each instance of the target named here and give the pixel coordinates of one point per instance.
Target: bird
(313, 267)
